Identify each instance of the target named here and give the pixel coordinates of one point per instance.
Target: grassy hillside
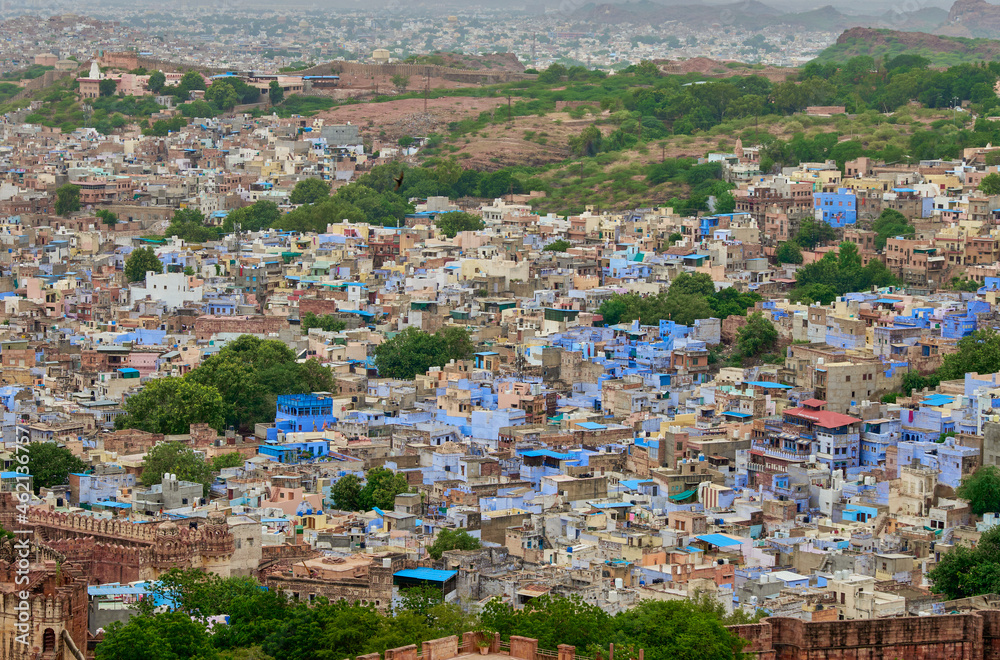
(886, 44)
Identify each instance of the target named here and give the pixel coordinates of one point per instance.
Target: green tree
(381, 488)
(698, 284)
(190, 81)
(316, 217)
(67, 199)
(982, 489)
(558, 246)
(419, 600)
(260, 215)
(346, 493)
(275, 93)
(401, 82)
(839, 273)
(890, 223)
(164, 636)
(978, 352)
(141, 261)
(669, 630)
(452, 539)
(222, 95)
(814, 232)
(731, 302)
(199, 593)
(189, 225)
(587, 143)
(454, 222)
(674, 238)
(959, 284)
(107, 87)
(309, 191)
(50, 465)
(156, 81)
(223, 461)
(327, 322)
(757, 336)
(789, 252)
(686, 308)
(413, 351)
(990, 184)
(333, 630)
(171, 405)
(176, 458)
(107, 217)
(249, 373)
(963, 573)
(552, 620)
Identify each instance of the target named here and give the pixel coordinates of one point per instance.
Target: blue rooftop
(718, 540)
(938, 400)
(591, 426)
(633, 484)
(763, 383)
(429, 574)
(741, 415)
(547, 452)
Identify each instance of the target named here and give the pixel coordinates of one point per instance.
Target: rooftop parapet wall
(972, 636)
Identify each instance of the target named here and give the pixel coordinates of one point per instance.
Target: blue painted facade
(838, 209)
(304, 412)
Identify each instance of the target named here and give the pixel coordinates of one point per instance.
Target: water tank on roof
(619, 583)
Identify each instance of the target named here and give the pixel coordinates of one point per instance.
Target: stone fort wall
(972, 636)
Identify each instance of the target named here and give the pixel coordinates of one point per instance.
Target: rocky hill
(886, 44)
(492, 62)
(973, 18)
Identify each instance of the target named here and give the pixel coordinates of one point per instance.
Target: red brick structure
(730, 328)
(57, 605)
(973, 636)
(111, 550)
(207, 326)
(130, 441)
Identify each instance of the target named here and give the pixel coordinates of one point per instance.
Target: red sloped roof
(813, 403)
(823, 418)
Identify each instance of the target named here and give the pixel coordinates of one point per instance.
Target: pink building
(144, 362)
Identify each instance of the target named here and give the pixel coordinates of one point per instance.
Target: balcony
(765, 449)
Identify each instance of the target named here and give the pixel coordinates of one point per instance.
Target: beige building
(857, 598)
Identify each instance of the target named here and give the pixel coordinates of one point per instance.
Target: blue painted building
(962, 324)
(291, 453)
(836, 209)
(304, 412)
